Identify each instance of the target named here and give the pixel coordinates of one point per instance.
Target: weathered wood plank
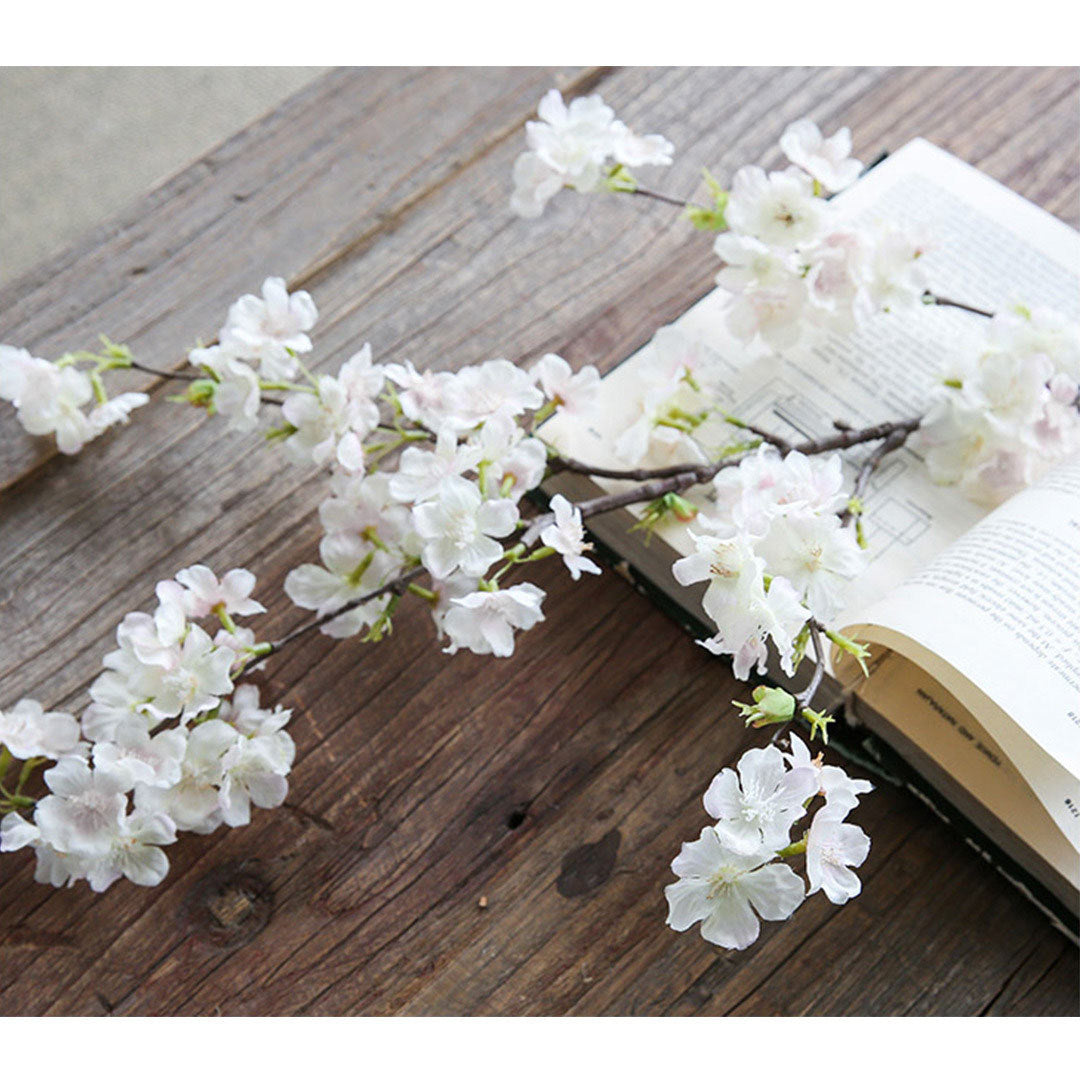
(423, 782)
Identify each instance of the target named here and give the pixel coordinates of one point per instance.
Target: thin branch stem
(843, 439)
(185, 376)
(870, 465)
(806, 697)
(659, 197)
(944, 301)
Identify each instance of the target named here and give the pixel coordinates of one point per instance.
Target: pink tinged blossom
(567, 536)
(205, 593)
(83, 811)
(270, 328)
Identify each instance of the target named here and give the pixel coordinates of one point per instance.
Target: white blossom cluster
(793, 263)
(450, 503)
(577, 146)
(736, 873)
(776, 555)
(1000, 418)
(258, 348)
(51, 398)
(170, 741)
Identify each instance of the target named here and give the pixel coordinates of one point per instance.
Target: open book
(973, 619)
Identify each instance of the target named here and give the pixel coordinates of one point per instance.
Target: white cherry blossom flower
(50, 401)
(245, 714)
(841, 791)
(236, 393)
(512, 462)
(343, 409)
(764, 484)
(351, 569)
(756, 808)
(53, 867)
(773, 313)
(495, 388)
(254, 768)
(29, 731)
(196, 679)
(133, 756)
(15, 365)
(420, 471)
(446, 591)
(458, 526)
(270, 329)
(366, 507)
(135, 852)
(745, 612)
(205, 594)
(194, 803)
(573, 392)
(1023, 331)
(816, 554)
(484, 622)
(535, 184)
(573, 146)
(833, 847)
(828, 161)
(778, 208)
(567, 536)
(896, 277)
(729, 892)
(117, 410)
(424, 395)
(84, 810)
(634, 150)
(836, 272)
(751, 264)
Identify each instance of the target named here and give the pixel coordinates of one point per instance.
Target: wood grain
(558, 787)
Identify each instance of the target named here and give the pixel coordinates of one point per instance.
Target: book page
(989, 247)
(996, 619)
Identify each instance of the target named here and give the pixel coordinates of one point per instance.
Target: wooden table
(461, 835)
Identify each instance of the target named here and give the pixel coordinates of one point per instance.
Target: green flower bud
(771, 706)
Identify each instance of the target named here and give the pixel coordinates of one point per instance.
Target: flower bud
(771, 706)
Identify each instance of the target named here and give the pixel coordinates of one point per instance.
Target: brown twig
(843, 439)
(670, 200)
(185, 376)
(944, 301)
(870, 465)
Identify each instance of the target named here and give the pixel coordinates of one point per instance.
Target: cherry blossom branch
(675, 478)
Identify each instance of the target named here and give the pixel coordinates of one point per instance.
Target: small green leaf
(620, 179)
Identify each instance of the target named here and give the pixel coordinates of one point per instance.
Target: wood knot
(589, 866)
(229, 906)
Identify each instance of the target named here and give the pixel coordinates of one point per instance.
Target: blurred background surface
(135, 127)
